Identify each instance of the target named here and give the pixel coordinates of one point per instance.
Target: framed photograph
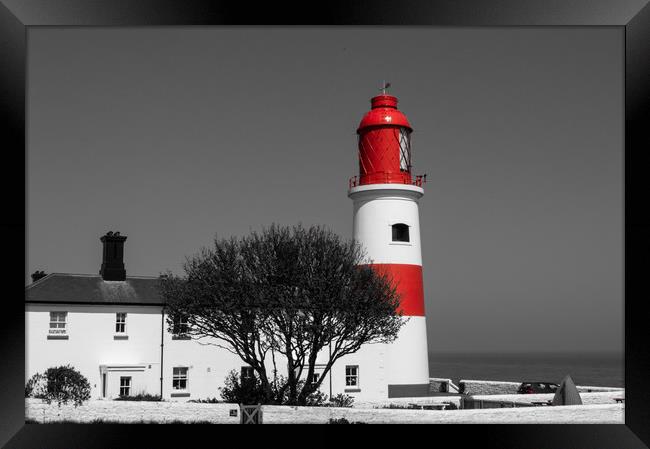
(492, 155)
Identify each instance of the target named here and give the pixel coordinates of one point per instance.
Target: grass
(102, 421)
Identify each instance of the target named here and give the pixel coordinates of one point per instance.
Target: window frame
(179, 377)
(60, 326)
(355, 376)
(122, 323)
(246, 369)
(178, 322)
(404, 140)
(127, 386)
(400, 228)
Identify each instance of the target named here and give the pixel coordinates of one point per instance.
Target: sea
(589, 369)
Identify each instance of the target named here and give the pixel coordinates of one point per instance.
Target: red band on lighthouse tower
(408, 283)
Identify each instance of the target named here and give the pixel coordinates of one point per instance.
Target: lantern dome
(384, 112)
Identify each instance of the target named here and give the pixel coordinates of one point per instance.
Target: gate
(250, 414)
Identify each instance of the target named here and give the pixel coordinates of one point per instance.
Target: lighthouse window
(404, 149)
(400, 232)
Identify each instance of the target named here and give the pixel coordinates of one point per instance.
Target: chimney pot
(36, 275)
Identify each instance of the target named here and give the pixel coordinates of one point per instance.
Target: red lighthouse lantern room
(384, 145)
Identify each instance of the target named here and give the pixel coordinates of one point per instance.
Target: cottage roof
(92, 289)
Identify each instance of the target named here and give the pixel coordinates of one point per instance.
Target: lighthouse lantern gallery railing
(419, 180)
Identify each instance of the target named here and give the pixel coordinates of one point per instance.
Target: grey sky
(171, 135)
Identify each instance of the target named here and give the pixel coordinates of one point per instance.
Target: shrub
(401, 406)
(235, 391)
(316, 399)
(205, 401)
(36, 386)
(450, 406)
(60, 384)
(342, 400)
(343, 421)
(251, 391)
(140, 397)
(339, 421)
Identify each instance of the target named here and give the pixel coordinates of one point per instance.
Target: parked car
(537, 387)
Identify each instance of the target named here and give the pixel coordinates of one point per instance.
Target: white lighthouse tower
(386, 222)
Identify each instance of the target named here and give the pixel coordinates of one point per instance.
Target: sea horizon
(589, 368)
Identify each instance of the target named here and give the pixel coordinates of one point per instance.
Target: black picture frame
(17, 16)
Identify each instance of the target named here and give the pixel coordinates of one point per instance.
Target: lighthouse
(386, 223)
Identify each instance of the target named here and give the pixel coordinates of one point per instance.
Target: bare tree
(286, 291)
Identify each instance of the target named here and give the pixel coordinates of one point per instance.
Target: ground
(127, 411)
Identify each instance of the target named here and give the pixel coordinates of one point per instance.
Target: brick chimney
(113, 257)
(36, 275)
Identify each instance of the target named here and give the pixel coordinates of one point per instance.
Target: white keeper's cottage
(113, 328)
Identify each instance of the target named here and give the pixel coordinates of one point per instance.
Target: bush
(402, 406)
(205, 401)
(343, 421)
(235, 391)
(60, 384)
(450, 406)
(339, 421)
(36, 386)
(140, 397)
(250, 391)
(316, 399)
(342, 400)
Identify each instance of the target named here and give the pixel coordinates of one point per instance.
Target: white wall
(91, 347)
(373, 381)
(91, 343)
(273, 414)
(208, 366)
(376, 208)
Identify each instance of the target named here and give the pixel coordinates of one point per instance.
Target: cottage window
(58, 322)
(314, 378)
(352, 375)
(125, 385)
(120, 323)
(179, 378)
(247, 373)
(180, 326)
